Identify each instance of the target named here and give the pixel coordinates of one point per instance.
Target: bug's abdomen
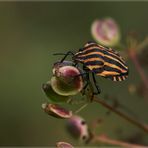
(114, 67)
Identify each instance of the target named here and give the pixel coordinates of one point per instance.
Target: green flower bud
(52, 95)
(106, 32)
(67, 80)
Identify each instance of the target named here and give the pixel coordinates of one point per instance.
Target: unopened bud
(78, 128)
(106, 32)
(67, 80)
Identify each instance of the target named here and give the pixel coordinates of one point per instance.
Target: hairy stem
(107, 140)
(141, 72)
(137, 123)
(142, 45)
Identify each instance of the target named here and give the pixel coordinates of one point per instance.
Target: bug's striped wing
(103, 61)
(91, 57)
(114, 66)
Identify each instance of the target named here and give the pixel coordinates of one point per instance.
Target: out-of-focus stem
(142, 45)
(107, 140)
(123, 115)
(133, 56)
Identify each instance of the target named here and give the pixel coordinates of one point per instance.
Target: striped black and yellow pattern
(103, 61)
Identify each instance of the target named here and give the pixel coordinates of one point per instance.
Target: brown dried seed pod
(56, 111)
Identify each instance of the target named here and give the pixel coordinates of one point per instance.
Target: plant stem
(107, 140)
(123, 115)
(142, 45)
(133, 56)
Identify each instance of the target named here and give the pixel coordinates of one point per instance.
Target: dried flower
(56, 111)
(64, 145)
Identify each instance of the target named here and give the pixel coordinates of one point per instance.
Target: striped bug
(100, 61)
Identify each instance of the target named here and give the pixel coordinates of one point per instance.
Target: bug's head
(81, 49)
(59, 64)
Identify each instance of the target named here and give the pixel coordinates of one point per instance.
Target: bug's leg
(84, 88)
(65, 55)
(87, 83)
(96, 85)
(87, 79)
(75, 65)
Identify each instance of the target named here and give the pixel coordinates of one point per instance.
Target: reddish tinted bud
(106, 32)
(56, 111)
(78, 128)
(67, 80)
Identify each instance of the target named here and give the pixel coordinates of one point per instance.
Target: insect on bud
(78, 128)
(67, 80)
(106, 32)
(56, 111)
(52, 95)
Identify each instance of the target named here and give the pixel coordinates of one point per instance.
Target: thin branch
(123, 115)
(107, 140)
(133, 56)
(142, 45)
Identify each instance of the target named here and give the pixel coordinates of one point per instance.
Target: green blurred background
(29, 33)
